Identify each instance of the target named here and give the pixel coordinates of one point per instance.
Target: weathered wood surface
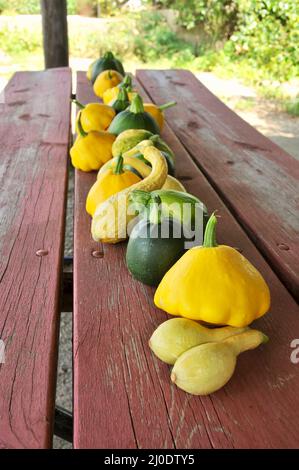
(123, 397)
(257, 179)
(34, 136)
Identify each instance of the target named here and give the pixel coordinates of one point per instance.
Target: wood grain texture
(34, 136)
(123, 397)
(257, 179)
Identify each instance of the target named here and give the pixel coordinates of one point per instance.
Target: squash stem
(123, 95)
(167, 105)
(80, 128)
(80, 105)
(210, 232)
(250, 339)
(137, 105)
(127, 82)
(118, 170)
(108, 55)
(140, 197)
(155, 210)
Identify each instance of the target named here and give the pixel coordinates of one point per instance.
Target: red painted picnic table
(123, 397)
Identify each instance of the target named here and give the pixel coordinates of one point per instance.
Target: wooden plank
(123, 397)
(34, 135)
(255, 177)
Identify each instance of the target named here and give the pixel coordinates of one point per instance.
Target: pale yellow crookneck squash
(111, 218)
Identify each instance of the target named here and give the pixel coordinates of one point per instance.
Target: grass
(292, 107)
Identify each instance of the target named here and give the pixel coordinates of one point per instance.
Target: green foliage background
(257, 39)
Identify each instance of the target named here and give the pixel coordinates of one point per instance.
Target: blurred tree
(23, 7)
(217, 17)
(108, 7)
(55, 33)
(267, 34)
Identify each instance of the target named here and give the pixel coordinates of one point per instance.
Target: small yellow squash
(157, 112)
(91, 150)
(111, 219)
(94, 116)
(112, 93)
(214, 284)
(110, 182)
(107, 79)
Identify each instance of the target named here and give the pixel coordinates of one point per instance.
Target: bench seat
(34, 136)
(123, 397)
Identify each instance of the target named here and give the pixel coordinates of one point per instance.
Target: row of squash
(136, 195)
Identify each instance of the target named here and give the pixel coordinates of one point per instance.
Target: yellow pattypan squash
(91, 150)
(94, 116)
(112, 93)
(107, 79)
(110, 182)
(214, 284)
(157, 111)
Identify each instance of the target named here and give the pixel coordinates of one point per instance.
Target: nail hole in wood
(283, 246)
(193, 125)
(17, 103)
(25, 117)
(97, 254)
(21, 90)
(178, 83)
(186, 178)
(42, 253)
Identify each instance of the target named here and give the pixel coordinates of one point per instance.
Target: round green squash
(107, 62)
(133, 118)
(149, 254)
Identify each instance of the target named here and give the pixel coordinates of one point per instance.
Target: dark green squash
(161, 236)
(106, 62)
(133, 117)
(149, 254)
(121, 102)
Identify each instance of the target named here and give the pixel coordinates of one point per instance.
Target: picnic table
(122, 394)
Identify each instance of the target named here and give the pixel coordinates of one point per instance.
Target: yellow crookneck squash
(107, 79)
(110, 182)
(214, 284)
(91, 149)
(157, 112)
(94, 116)
(112, 217)
(142, 168)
